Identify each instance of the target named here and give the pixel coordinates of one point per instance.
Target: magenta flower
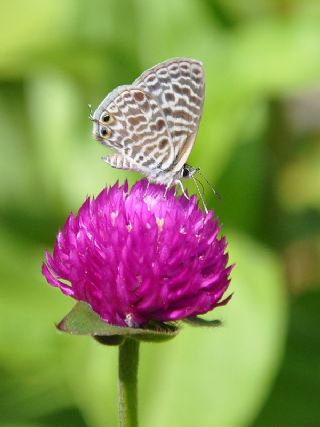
(137, 256)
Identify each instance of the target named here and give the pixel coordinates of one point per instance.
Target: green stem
(128, 368)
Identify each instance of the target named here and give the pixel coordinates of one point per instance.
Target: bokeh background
(259, 145)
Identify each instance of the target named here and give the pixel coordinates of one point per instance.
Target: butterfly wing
(153, 122)
(178, 86)
(136, 130)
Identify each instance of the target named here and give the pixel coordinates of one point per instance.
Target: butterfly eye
(104, 133)
(106, 118)
(185, 172)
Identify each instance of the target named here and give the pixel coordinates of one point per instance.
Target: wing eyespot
(105, 133)
(106, 118)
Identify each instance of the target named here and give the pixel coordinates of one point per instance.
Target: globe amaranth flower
(140, 255)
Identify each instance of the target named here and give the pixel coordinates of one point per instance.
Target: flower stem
(128, 368)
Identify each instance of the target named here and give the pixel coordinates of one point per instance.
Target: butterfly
(151, 125)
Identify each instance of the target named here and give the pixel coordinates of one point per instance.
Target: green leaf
(199, 322)
(82, 320)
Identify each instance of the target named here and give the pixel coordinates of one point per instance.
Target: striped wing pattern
(139, 130)
(178, 87)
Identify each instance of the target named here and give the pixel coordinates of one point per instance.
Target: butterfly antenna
(199, 182)
(200, 193)
(215, 193)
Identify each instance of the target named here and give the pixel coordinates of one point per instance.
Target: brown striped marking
(138, 96)
(163, 143)
(136, 120)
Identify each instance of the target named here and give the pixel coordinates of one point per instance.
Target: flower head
(138, 256)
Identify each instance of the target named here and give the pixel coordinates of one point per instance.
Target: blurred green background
(258, 143)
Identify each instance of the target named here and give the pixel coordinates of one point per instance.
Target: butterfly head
(188, 171)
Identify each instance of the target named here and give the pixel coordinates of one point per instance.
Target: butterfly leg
(166, 190)
(182, 189)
